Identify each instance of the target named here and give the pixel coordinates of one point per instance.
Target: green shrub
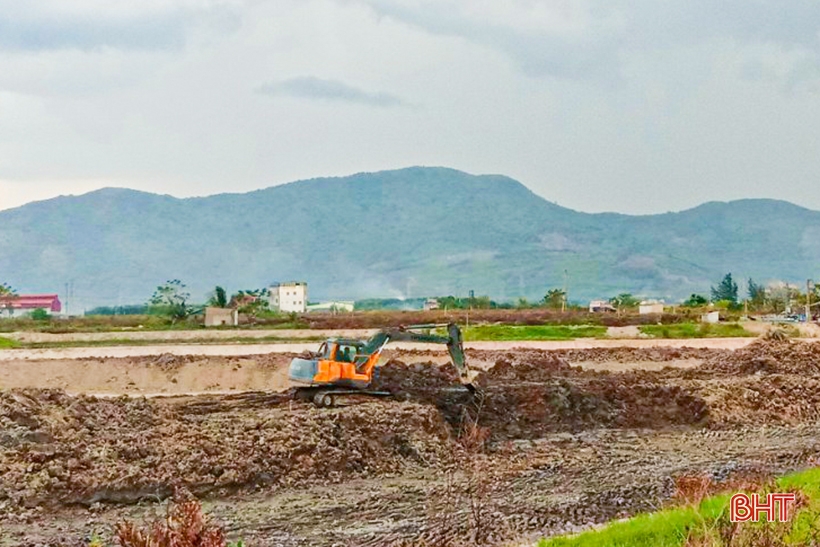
(40, 315)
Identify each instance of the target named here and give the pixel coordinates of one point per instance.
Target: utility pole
(809, 288)
(788, 299)
(566, 288)
(471, 292)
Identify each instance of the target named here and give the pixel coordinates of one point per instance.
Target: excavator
(345, 367)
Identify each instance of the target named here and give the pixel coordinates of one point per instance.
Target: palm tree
(219, 298)
(7, 295)
(555, 298)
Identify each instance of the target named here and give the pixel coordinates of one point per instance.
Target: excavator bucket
(455, 346)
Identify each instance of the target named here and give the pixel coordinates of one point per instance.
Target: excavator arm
(454, 342)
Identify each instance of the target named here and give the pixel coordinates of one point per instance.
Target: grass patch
(697, 330)
(5, 343)
(499, 333)
(705, 523)
(668, 528)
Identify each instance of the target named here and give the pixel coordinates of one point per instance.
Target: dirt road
(186, 335)
(563, 447)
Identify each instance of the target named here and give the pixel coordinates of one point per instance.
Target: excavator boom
(348, 365)
(454, 342)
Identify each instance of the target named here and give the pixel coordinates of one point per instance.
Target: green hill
(416, 231)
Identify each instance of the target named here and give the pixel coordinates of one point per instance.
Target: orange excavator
(346, 367)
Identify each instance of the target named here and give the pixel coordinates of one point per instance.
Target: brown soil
(631, 355)
(168, 374)
(80, 450)
(558, 447)
(769, 357)
(157, 374)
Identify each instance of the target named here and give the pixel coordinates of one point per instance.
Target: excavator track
(329, 397)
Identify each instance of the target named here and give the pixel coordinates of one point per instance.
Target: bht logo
(746, 507)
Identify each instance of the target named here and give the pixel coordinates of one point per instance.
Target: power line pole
(788, 299)
(809, 287)
(566, 288)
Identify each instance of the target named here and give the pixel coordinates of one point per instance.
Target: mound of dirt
(527, 366)
(530, 411)
(770, 400)
(63, 449)
(415, 379)
(768, 357)
(541, 393)
(631, 355)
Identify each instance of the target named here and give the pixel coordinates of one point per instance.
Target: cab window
(346, 354)
(325, 349)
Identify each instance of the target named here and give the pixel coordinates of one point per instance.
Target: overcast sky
(636, 106)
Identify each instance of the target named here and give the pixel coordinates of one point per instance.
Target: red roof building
(31, 302)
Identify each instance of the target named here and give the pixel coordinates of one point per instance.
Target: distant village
(292, 297)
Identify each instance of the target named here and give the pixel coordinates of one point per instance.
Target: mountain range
(404, 233)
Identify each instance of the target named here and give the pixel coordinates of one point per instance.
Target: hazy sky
(636, 106)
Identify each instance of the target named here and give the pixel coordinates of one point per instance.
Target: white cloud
(635, 106)
(93, 24)
(311, 87)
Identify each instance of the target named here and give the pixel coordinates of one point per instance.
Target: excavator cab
(340, 350)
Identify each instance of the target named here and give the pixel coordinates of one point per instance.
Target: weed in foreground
(184, 525)
(461, 511)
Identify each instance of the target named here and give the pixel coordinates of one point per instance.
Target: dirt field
(557, 447)
(169, 374)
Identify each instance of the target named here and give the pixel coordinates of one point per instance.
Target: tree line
(173, 300)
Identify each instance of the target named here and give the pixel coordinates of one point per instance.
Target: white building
(221, 317)
(599, 306)
(289, 297)
(431, 304)
(650, 307)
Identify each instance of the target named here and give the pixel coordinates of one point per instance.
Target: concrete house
(221, 317)
(649, 307)
(289, 297)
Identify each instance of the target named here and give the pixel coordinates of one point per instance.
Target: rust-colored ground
(557, 446)
(169, 374)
